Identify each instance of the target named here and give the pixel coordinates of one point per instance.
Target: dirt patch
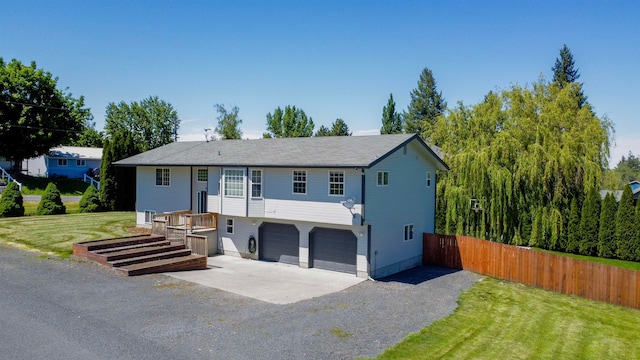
(138, 230)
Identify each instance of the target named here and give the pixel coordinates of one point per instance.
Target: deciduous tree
(228, 123)
(152, 122)
(291, 122)
(118, 184)
(34, 114)
(391, 120)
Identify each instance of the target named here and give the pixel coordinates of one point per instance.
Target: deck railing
(173, 218)
(4, 174)
(198, 244)
(91, 181)
(177, 234)
(159, 227)
(201, 221)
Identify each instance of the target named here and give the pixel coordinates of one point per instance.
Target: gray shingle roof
(326, 151)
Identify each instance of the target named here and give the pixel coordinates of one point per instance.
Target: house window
(383, 178)
(233, 181)
(408, 232)
(299, 181)
(256, 183)
(336, 183)
(163, 177)
(229, 226)
(148, 216)
(62, 162)
(428, 179)
(203, 175)
(81, 163)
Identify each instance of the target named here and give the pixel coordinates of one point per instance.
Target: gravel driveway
(72, 309)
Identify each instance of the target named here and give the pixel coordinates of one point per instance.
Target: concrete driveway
(275, 283)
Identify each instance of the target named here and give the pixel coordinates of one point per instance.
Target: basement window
(229, 226)
(148, 216)
(408, 232)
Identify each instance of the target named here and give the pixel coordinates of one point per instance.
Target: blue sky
(333, 59)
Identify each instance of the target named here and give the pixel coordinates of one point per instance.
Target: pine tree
(51, 202)
(391, 120)
(606, 235)
(11, 201)
(564, 73)
(636, 244)
(573, 230)
(589, 224)
(425, 107)
(625, 228)
(117, 184)
(90, 201)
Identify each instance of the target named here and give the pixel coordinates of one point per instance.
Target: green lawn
(30, 207)
(631, 265)
(497, 319)
(57, 233)
(33, 185)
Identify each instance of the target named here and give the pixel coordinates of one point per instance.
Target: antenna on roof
(206, 134)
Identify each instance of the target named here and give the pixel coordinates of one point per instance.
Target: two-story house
(353, 204)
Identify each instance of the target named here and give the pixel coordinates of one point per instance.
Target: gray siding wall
(278, 184)
(162, 198)
(406, 200)
(214, 186)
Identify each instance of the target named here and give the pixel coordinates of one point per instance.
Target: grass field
(30, 207)
(57, 233)
(631, 265)
(32, 185)
(497, 319)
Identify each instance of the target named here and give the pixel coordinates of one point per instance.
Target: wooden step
(136, 246)
(148, 258)
(82, 248)
(183, 263)
(135, 253)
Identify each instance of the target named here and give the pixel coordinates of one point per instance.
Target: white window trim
(330, 183)
(229, 223)
(224, 187)
(261, 182)
(198, 175)
(162, 184)
(408, 236)
(378, 178)
(293, 182)
(62, 162)
(428, 178)
(81, 163)
(149, 214)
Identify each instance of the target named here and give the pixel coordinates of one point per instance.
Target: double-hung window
(299, 181)
(163, 177)
(81, 163)
(62, 162)
(233, 183)
(408, 232)
(383, 178)
(256, 184)
(336, 183)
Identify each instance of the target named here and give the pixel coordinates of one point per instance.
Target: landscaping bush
(11, 204)
(51, 202)
(90, 201)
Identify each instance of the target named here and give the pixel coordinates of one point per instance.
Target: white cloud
(366, 132)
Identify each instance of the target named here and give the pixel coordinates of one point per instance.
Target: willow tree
(523, 154)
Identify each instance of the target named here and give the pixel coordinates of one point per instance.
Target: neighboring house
(635, 188)
(356, 204)
(4, 163)
(70, 161)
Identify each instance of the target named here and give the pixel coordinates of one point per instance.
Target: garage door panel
(334, 249)
(279, 242)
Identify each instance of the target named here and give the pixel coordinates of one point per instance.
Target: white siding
(213, 201)
(312, 211)
(162, 198)
(231, 205)
(406, 200)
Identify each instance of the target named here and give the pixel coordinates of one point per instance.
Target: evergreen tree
(290, 122)
(625, 228)
(573, 230)
(11, 201)
(564, 73)
(606, 235)
(338, 128)
(323, 131)
(589, 224)
(391, 120)
(117, 184)
(637, 231)
(425, 107)
(51, 202)
(90, 201)
(228, 123)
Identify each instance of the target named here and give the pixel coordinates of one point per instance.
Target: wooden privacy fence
(544, 270)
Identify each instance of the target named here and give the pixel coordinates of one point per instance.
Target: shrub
(607, 232)
(90, 201)
(11, 202)
(51, 202)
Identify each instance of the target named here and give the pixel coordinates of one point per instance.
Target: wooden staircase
(141, 254)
